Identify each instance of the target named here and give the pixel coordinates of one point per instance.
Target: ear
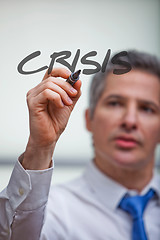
(88, 120)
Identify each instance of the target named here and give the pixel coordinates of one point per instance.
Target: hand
(50, 104)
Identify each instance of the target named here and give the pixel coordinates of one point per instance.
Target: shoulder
(67, 190)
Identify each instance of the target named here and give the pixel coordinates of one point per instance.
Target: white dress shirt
(23, 202)
(84, 209)
(87, 209)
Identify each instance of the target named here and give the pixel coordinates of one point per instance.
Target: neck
(135, 179)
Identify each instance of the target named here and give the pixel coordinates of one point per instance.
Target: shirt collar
(102, 186)
(154, 184)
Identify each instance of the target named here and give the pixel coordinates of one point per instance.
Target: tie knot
(135, 205)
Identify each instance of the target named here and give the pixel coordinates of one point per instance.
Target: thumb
(77, 86)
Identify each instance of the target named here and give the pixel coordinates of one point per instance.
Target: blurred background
(52, 26)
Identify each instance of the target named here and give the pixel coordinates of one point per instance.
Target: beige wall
(48, 26)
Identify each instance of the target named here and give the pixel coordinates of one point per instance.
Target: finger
(75, 99)
(50, 83)
(58, 72)
(48, 95)
(55, 88)
(44, 97)
(78, 85)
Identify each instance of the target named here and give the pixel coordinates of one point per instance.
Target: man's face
(126, 122)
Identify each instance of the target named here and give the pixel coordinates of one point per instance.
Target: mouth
(126, 142)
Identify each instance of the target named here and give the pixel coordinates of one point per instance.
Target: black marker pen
(73, 78)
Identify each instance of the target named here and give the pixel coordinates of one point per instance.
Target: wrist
(37, 157)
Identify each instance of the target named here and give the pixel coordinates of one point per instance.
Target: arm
(22, 203)
(50, 104)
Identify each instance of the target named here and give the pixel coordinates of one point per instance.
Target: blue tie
(135, 207)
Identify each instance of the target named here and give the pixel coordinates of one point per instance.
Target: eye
(114, 103)
(147, 109)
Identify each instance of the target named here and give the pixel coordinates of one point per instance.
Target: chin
(127, 160)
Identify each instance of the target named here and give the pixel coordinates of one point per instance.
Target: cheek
(102, 126)
(105, 119)
(152, 132)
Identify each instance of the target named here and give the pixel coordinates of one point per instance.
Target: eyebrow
(142, 101)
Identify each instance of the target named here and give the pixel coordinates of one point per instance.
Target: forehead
(135, 84)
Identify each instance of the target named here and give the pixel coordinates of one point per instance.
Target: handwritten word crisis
(60, 57)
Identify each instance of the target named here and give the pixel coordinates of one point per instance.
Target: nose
(130, 118)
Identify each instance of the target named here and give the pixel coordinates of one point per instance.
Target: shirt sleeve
(23, 202)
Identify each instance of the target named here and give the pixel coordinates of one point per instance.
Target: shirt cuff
(28, 189)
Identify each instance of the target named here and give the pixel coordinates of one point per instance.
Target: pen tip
(76, 74)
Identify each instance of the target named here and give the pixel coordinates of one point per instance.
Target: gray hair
(137, 60)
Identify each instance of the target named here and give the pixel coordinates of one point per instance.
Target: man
(124, 119)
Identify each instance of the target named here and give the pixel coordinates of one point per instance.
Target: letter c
(28, 58)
